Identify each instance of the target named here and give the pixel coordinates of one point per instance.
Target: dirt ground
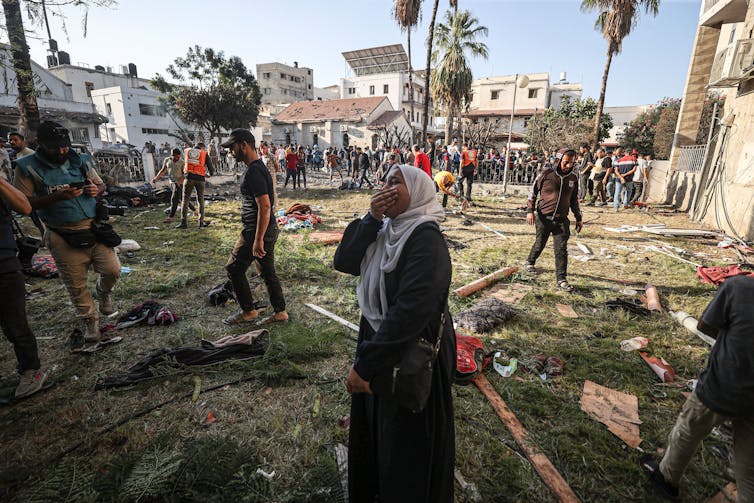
(277, 417)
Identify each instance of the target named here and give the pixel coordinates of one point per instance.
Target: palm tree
(615, 20)
(452, 77)
(430, 38)
(407, 13)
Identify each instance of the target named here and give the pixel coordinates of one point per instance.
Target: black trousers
(301, 172)
(561, 231)
(13, 320)
(239, 262)
(467, 173)
(364, 177)
(290, 175)
(176, 198)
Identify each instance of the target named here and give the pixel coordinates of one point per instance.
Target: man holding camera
(62, 187)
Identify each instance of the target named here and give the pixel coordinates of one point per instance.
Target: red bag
(469, 358)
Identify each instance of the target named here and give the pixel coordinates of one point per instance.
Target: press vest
(49, 179)
(196, 161)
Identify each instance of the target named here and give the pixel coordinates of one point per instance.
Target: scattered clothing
(716, 275)
(150, 311)
(43, 266)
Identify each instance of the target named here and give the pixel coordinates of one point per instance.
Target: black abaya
(395, 455)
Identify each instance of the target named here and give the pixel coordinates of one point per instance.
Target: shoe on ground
(565, 286)
(182, 225)
(651, 469)
(106, 303)
(530, 268)
(202, 225)
(168, 220)
(31, 382)
(92, 333)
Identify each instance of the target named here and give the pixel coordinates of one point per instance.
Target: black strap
(16, 227)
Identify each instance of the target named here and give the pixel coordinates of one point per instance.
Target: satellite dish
(523, 81)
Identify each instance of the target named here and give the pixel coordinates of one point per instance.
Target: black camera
(103, 211)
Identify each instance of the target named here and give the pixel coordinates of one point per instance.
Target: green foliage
(568, 126)
(640, 133)
(212, 91)
(706, 120)
(664, 132)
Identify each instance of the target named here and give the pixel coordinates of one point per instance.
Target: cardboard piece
(566, 311)
(618, 411)
(511, 293)
(326, 237)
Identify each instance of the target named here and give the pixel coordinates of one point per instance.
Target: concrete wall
(281, 83)
(77, 77)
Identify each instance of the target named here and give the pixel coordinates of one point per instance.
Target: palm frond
(407, 13)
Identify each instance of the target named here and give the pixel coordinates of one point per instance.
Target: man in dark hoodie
(553, 193)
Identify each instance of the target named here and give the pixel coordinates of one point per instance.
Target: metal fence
(120, 168)
(492, 172)
(691, 158)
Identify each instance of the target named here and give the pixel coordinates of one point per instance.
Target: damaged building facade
(55, 99)
(714, 178)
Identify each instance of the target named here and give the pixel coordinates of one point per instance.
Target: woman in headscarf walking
(395, 454)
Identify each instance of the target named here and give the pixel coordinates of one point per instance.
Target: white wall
(77, 76)
(482, 93)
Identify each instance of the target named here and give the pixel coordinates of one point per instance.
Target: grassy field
(283, 411)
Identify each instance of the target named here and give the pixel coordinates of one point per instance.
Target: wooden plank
(549, 474)
(484, 282)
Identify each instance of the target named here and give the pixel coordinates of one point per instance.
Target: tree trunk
(601, 102)
(427, 94)
(410, 85)
(28, 120)
(448, 125)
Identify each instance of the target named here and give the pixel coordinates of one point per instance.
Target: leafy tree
(568, 126)
(664, 132)
(407, 13)
(615, 19)
(640, 135)
(36, 11)
(451, 78)
(706, 120)
(212, 91)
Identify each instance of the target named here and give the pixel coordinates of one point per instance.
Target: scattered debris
(325, 237)
(672, 255)
(471, 490)
(631, 305)
(653, 298)
(539, 461)
(340, 453)
(504, 370)
(317, 405)
(690, 323)
(127, 245)
(717, 275)
(616, 410)
(623, 228)
(100, 345)
(453, 244)
(268, 476)
(510, 293)
(667, 231)
(584, 249)
(209, 419)
(728, 494)
(634, 343)
(492, 230)
(197, 388)
(485, 316)
(566, 311)
(484, 282)
(333, 316)
(660, 367)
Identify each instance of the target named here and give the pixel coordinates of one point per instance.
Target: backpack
(456, 157)
(221, 294)
(470, 358)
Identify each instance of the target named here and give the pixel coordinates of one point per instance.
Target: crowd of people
(402, 433)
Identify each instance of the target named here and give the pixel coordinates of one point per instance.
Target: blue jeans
(619, 191)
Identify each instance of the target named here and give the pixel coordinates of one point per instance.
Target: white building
(327, 93)
(132, 107)
(338, 123)
(281, 83)
(622, 117)
(55, 100)
(383, 71)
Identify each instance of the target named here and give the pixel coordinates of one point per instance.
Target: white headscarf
(382, 255)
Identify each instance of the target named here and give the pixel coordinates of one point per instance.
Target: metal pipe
(510, 133)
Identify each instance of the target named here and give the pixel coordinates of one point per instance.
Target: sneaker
(182, 225)
(530, 268)
(565, 286)
(202, 225)
(651, 469)
(106, 303)
(92, 333)
(31, 382)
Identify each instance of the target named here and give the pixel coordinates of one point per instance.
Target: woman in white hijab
(394, 454)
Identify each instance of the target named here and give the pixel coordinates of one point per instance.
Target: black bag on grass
(221, 294)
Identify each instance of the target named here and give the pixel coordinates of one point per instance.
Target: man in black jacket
(553, 193)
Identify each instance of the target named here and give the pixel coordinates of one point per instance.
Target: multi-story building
(720, 168)
(55, 99)
(622, 117)
(383, 71)
(132, 107)
(281, 83)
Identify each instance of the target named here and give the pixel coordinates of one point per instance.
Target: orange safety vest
(196, 161)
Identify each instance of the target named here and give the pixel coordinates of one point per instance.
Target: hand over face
(382, 201)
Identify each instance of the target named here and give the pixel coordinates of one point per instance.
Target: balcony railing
(691, 158)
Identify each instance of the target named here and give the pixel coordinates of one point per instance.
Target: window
(146, 109)
(282, 76)
(308, 72)
(418, 117)
(285, 91)
(293, 79)
(371, 90)
(79, 135)
(385, 88)
(267, 90)
(89, 88)
(109, 108)
(494, 95)
(266, 75)
(351, 90)
(533, 93)
(146, 130)
(310, 86)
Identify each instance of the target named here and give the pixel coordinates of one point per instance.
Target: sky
(525, 36)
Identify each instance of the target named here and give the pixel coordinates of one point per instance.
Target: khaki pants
(696, 422)
(188, 188)
(73, 266)
(274, 176)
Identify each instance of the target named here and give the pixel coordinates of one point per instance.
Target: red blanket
(716, 275)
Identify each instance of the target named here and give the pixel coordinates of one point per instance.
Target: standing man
(62, 187)
(557, 190)
(600, 175)
(469, 169)
(213, 154)
(362, 162)
(454, 156)
(421, 161)
(173, 166)
(724, 392)
(13, 307)
(623, 179)
(18, 142)
(272, 166)
(196, 166)
(260, 231)
(585, 182)
(640, 177)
